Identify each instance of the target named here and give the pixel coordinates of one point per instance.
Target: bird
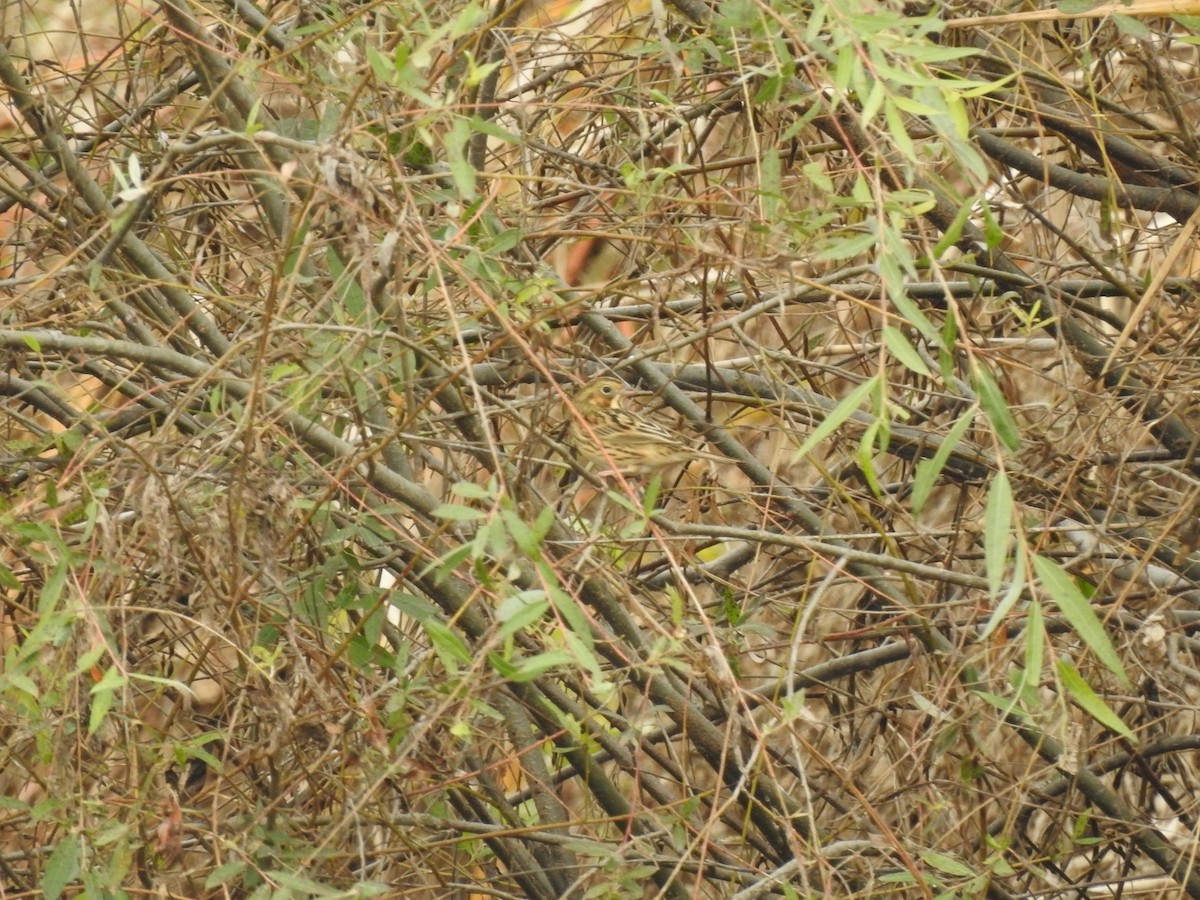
(603, 433)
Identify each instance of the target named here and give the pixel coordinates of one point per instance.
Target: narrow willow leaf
(567, 607)
(519, 610)
(1091, 702)
(581, 648)
(904, 351)
(915, 317)
(996, 407)
(928, 470)
(947, 865)
(461, 170)
(1035, 642)
(491, 129)
(770, 190)
(1067, 596)
(1132, 27)
(1035, 658)
(506, 240)
(898, 128)
(520, 532)
(946, 360)
(875, 95)
(51, 591)
(954, 231)
(472, 491)
(650, 498)
(997, 530)
(847, 247)
(413, 606)
(843, 411)
(993, 233)
(1016, 586)
(450, 648)
(297, 884)
(527, 669)
(225, 874)
(458, 513)
(866, 458)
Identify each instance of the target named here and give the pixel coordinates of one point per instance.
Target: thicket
(305, 596)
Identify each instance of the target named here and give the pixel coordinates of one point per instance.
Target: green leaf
(51, 591)
(1035, 657)
(997, 530)
(840, 413)
(519, 610)
(818, 177)
(506, 240)
(300, 885)
(581, 648)
(1076, 7)
(996, 407)
(456, 513)
(567, 606)
(89, 658)
(949, 338)
(418, 608)
(456, 141)
(928, 470)
(8, 579)
(451, 560)
(346, 285)
(914, 316)
(993, 234)
(847, 247)
(253, 126)
(19, 681)
(543, 523)
(904, 351)
(770, 189)
(1132, 27)
(472, 491)
(1016, 587)
(954, 231)
(1091, 702)
(226, 873)
(103, 694)
(947, 865)
(520, 532)
(370, 889)
(866, 455)
(450, 648)
(532, 667)
(61, 868)
(898, 128)
(197, 751)
(650, 497)
(875, 95)
(491, 129)
(467, 21)
(1067, 596)
(382, 66)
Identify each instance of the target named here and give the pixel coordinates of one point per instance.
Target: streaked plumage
(615, 439)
